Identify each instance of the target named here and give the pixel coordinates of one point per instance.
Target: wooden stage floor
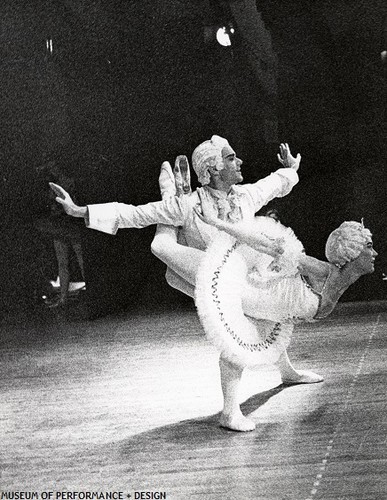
(129, 403)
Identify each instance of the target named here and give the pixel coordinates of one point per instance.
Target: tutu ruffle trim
(224, 273)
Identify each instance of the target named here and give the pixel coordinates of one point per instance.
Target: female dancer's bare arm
(313, 268)
(308, 266)
(241, 231)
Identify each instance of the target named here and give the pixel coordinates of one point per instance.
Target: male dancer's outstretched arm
(109, 217)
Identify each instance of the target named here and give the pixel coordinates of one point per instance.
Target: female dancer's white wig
(346, 242)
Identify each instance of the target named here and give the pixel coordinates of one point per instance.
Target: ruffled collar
(228, 204)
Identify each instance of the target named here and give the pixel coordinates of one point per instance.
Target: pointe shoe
(303, 377)
(167, 181)
(182, 176)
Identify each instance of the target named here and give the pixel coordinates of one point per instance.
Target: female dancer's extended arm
(308, 266)
(241, 231)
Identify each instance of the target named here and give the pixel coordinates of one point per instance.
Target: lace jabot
(228, 204)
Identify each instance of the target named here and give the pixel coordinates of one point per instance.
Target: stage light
(223, 36)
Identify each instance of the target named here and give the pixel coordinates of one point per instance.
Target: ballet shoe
(303, 377)
(167, 181)
(182, 176)
(237, 423)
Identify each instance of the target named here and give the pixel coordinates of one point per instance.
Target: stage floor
(129, 403)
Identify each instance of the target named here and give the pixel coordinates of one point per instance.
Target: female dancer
(249, 301)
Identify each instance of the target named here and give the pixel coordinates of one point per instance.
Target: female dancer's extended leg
(182, 261)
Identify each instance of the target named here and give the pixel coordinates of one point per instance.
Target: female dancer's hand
(67, 203)
(286, 159)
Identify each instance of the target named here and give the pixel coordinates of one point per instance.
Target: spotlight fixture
(223, 36)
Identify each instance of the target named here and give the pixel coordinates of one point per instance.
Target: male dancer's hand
(286, 159)
(67, 203)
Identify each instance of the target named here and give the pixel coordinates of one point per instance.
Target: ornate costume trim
(221, 283)
(252, 347)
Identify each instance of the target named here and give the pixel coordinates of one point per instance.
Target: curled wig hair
(346, 242)
(208, 154)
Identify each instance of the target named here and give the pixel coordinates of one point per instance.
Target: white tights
(182, 262)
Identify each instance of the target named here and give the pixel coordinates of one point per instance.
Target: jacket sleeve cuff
(290, 175)
(103, 217)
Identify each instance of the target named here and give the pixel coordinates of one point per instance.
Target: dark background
(129, 84)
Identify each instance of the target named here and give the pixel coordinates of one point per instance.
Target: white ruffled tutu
(246, 299)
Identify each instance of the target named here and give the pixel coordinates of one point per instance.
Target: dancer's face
(366, 260)
(231, 173)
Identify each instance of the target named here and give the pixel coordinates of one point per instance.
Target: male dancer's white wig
(208, 154)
